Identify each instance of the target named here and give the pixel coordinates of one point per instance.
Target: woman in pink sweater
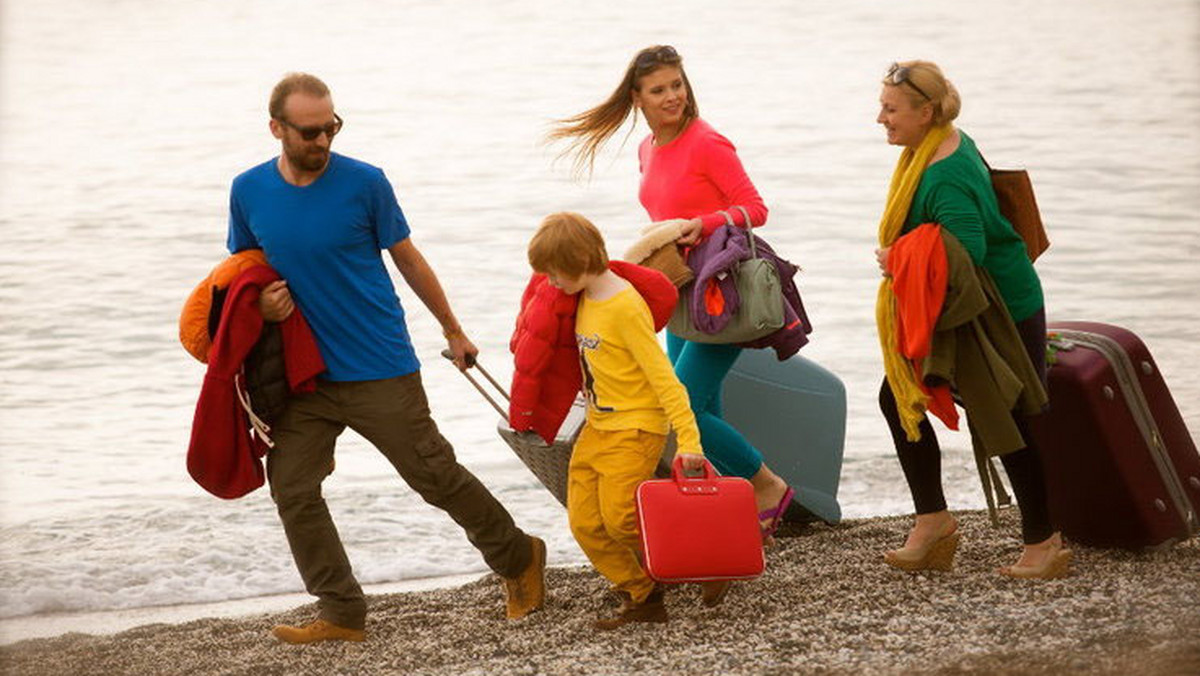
(691, 173)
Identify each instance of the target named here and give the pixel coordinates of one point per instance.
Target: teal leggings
(702, 368)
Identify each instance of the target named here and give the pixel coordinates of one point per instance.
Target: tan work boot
(526, 592)
(651, 610)
(713, 592)
(317, 630)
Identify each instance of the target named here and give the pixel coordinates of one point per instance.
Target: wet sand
(826, 604)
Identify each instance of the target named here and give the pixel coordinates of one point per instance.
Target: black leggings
(922, 460)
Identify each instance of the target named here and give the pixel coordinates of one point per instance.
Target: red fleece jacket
(223, 457)
(546, 377)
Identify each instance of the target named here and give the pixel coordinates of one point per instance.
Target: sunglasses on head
(311, 133)
(664, 54)
(899, 75)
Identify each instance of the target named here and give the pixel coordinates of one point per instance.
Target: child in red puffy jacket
(633, 398)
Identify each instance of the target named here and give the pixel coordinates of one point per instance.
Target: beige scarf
(910, 399)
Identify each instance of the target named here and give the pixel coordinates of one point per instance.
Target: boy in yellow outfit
(633, 399)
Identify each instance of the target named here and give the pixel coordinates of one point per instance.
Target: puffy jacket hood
(658, 291)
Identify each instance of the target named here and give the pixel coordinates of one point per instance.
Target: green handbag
(760, 311)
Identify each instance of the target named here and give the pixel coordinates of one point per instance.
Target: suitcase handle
(499, 388)
(704, 484)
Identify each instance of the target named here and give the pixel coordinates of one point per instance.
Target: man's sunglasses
(311, 133)
(664, 54)
(899, 75)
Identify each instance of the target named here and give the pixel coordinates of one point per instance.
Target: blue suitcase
(794, 412)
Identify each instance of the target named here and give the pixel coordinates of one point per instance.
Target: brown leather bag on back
(1014, 194)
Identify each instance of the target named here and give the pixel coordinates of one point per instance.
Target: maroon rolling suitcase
(1121, 468)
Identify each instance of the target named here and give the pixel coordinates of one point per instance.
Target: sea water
(123, 122)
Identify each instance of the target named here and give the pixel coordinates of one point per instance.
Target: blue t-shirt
(325, 240)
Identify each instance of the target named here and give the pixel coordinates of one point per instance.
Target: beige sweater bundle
(657, 249)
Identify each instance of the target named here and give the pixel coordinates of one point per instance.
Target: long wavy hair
(588, 131)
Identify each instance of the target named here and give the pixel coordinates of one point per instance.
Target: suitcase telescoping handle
(704, 484)
(475, 363)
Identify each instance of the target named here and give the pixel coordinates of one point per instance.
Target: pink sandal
(774, 516)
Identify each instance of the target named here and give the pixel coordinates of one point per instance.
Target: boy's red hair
(566, 243)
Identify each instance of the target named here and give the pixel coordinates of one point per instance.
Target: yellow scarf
(910, 399)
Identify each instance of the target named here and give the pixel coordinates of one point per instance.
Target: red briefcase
(698, 529)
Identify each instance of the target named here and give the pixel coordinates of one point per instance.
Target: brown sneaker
(651, 610)
(713, 592)
(526, 592)
(317, 630)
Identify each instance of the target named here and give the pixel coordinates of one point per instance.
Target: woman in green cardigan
(942, 179)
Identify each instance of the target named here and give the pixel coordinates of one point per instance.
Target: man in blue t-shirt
(323, 219)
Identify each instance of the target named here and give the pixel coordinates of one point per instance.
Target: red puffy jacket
(546, 377)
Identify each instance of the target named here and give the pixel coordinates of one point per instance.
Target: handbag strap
(749, 232)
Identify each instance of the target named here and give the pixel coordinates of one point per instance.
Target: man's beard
(307, 160)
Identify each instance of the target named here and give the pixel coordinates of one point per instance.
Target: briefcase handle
(705, 484)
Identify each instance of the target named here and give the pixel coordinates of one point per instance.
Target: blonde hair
(590, 130)
(567, 243)
(290, 84)
(929, 85)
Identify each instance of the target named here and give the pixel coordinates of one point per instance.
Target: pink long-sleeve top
(697, 175)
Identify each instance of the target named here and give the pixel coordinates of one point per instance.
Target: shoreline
(108, 622)
(826, 603)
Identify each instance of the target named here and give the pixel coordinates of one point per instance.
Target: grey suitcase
(547, 462)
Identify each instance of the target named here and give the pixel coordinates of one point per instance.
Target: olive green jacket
(977, 350)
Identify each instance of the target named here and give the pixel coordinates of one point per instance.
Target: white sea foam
(196, 550)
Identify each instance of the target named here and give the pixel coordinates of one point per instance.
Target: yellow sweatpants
(606, 468)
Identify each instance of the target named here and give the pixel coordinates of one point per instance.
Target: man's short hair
(568, 244)
(290, 84)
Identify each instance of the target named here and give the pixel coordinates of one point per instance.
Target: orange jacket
(195, 318)
(917, 263)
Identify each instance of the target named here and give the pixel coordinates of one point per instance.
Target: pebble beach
(826, 604)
